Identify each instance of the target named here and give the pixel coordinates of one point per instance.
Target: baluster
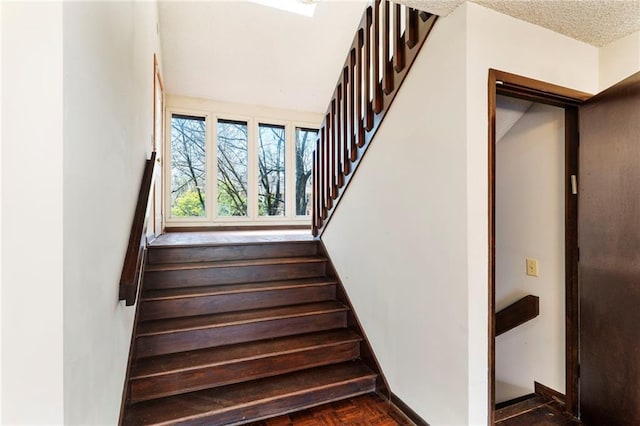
(321, 174)
(398, 39)
(338, 142)
(319, 178)
(367, 69)
(359, 78)
(387, 66)
(377, 87)
(326, 187)
(411, 27)
(366, 87)
(352, 100)
(315, 217)
(346, 122)
(334, 154)
(334, 148)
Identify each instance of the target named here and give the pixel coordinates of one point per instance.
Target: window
(188, 166)
(271, 170)
(233, 156)
(305, 145)
(236, 170)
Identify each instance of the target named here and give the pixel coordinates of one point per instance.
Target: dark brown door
(609, 267)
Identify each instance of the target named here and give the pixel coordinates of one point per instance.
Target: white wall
(410, 237)
(1, 25)
(505, 43)
(619, 60)
(32, 277)
(108, 125)
(398, 239)
(530, 223)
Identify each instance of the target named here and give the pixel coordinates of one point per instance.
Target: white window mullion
(290, 170)
(167, 165)
(252, 172)
(212, 169)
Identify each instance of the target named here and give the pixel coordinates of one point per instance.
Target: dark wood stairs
(230, 334)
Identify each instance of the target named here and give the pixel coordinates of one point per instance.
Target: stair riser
(183, 382)
(232, 275)
(262, 410)
(219, 336)
(234, 302)
(163, 255)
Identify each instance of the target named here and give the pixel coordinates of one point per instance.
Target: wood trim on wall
(366, 351)
(547, 392)
(504, 83)
(407, 411)
(158, 87)
(572, 369)
(132, 356)
(492, 244)
(516, 314)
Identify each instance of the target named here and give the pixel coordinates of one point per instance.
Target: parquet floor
(366, 410)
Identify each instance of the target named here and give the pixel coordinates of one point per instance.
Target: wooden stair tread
(519, 408)
(234, 263)
(209, 402)
(184, 361)
(206, 239)
(154, 327)
(162, 245)
(186, 292)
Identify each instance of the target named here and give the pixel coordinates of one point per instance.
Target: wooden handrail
(517, 314)
(134, 258)
(378, 61)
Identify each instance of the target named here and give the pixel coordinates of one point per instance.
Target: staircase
(227, 334)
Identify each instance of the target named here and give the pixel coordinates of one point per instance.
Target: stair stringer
(366, 351)
(126, 386)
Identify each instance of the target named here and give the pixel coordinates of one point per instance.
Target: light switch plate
(532, 267)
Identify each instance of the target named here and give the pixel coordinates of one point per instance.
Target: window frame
(293, 156)
(287, 161)
(211, 217)
(232, 220)
(170, 112)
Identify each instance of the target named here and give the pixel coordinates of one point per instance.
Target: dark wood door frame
(503, 83)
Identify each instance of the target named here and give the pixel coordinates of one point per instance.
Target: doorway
(530, 248)
(545, 244)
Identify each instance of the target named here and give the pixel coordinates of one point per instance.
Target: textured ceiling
(242, 52)
(597, 22)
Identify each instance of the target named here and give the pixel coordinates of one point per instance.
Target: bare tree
(188, 138)
(232, 168)
(305, 139)
(271, 169)
(188, 144)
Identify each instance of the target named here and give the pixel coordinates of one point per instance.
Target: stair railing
(516, 314)
(386, 44)
(132, 268)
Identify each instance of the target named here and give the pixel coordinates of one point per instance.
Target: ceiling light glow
(301, 7)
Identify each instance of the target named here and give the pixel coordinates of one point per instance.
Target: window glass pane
(305, 144)
(232, 168)
(271, 152)
(188, 159)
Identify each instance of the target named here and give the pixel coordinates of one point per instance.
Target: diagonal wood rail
(134, 258)
(386, 44)
(517, 314)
